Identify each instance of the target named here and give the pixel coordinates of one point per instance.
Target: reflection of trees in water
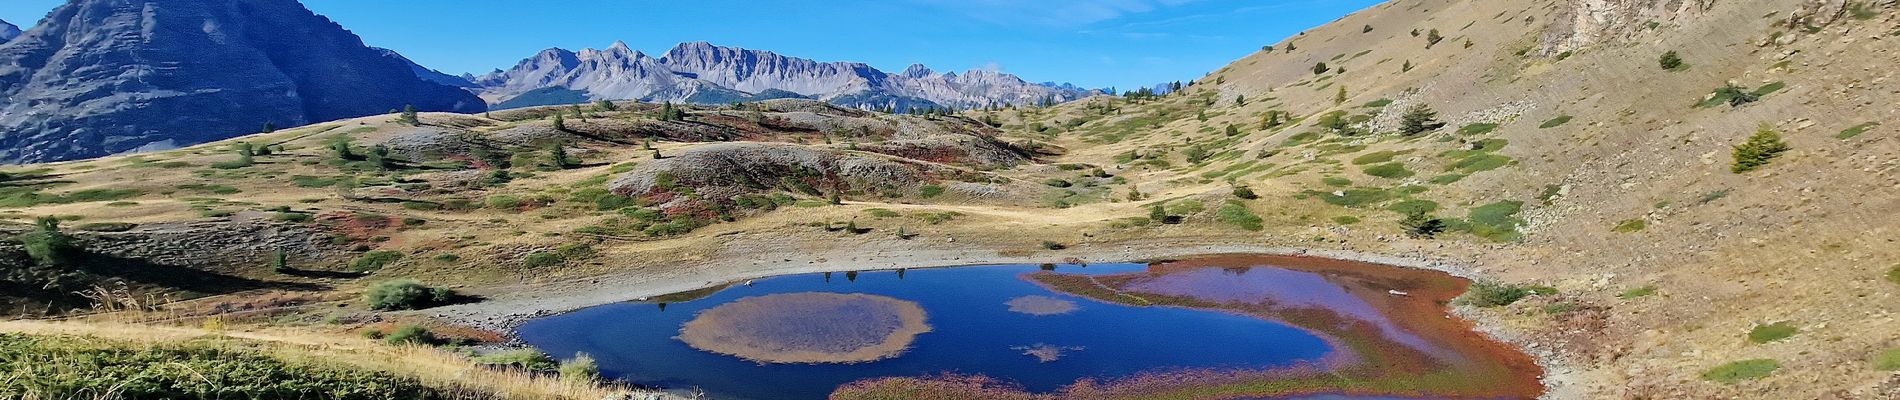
(1236, 271)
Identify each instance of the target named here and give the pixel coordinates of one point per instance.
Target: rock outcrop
(99, 77)
(700, 72)
(8, 31)
(1584, 23)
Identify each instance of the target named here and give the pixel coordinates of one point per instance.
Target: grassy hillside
(1551, 146)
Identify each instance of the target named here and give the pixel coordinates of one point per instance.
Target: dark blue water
(974, 332)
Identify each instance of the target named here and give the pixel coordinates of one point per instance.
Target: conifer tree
(409, 116)
(1418, 119)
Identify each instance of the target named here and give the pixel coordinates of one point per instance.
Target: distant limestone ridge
(8, 31)
(700, 72)
(101, 77)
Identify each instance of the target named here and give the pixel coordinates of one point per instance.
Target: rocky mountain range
(100, 77)
(700, 72)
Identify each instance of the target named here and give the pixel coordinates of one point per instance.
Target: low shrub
(375, 260)
(581, 368)
(1486, 293)
(1759, 150)
(1627, 226)
(412, 335)
(405, 294)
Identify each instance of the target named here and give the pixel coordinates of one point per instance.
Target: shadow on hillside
(196, 281)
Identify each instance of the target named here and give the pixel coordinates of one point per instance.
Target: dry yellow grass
(432, 366)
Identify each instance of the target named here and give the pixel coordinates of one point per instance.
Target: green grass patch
(1637, 292)
(1345, 220)
(1447, 179)
(1772, 332)
(28, 196)
(1377, 103)
(1336, 181)
(1888, 360)
(1235, 213)
(1389, 170)
(1631, 225)
(1739, 371)
(1479, 162)
(1478, 128)
(1496, 221)
(1352, 197)
(1555, 122)
(1856, 130)
(882, 213)
(1374, 157)
(1413, 206)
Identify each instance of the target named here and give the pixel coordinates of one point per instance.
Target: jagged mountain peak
(917, 71)
(703, 72)
(98, 77)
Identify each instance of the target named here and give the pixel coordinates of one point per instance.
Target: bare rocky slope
(101, 77)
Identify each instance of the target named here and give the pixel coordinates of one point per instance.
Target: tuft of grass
(411, 335)
(930, 191)
(1772, 332)
(1555, 122)
(1637, 292)
(1345, 220)
(1336, 181)
(581, 368)
(1374, 157)
(1631, 225)
(1893, 274)
(1744, 370)
(1856, 130)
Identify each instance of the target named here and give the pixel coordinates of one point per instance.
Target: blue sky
(1095, 43)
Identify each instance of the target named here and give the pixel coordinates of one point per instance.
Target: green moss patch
(1555, 122)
